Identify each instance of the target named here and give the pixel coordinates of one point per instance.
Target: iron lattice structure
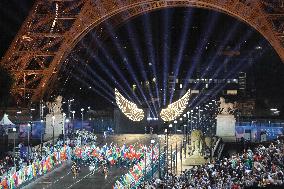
(54, 27)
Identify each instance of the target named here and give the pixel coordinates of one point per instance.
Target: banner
(23, 130)
(271, 132)
(35, 129)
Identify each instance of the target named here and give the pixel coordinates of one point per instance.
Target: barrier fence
(113, 154)
(26, 173)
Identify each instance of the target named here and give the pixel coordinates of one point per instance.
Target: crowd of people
(260, 167)
(35, 161)
(80, 148)
(140, 169)
(107, 156)
(6, 164)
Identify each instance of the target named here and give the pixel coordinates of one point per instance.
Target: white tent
(5, 124)
(6, 121)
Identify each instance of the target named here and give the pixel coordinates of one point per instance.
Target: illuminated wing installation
(175, 109)
(129, 109)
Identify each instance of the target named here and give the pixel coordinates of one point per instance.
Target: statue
(198, 149)
(196, 143)
(226, 121)
(55, 107)
(49, 106)
(208, 142)
(54, 119)
(226, 108)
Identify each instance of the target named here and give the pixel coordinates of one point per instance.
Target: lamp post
(191, 121)
(63, 127)
(145, 165)
(82, 114)
(166, 150)
(185, 141)
(175, 122)
(69, 107)
(73, 118)
(176, 168)
(17, 116)
(73, 115)
(198, 117)
(41, 139)
(29, 142)
(184, 132)
(41, 109)
(171, 158)
(152, 152)
(159, 165)
(67, 121)
(14, 131)
(185, 128)
(53, 124)
(31, 116)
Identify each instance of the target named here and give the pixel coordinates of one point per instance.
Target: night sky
(266, 71)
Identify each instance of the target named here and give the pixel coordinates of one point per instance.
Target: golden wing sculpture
(129, 109)
(175, 109)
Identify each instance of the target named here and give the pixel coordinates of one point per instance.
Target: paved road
(62, 178)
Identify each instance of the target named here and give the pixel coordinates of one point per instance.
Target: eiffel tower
(54, 27)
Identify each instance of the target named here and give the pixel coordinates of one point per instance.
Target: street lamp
(152, 170)
(14, 131)
(82, 114)
(69, 107)
(41, 109)
(159, 165)
(53, 124)
(67, 121)
(166, 150)
(31, 113)
(41, 138)
(275, 111)
(187, 129)
(185, 139)
(198, 117)
(18, 112)
(31, 116)
(175, 122)
(73, 113)
(191, 122)
(63, 127)
(170, 127)
(145, 164)
(29, 142)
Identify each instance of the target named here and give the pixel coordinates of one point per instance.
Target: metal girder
(54, 27)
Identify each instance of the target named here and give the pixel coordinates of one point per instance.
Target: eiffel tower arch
(54, 27)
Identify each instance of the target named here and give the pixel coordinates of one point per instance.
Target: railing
(220, 150)
(261, 123)
(216, 146)
(149, 173)
(35, 169)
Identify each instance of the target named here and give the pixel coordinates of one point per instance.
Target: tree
(6, 82)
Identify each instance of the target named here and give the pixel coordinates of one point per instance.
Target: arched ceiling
(53, 28)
